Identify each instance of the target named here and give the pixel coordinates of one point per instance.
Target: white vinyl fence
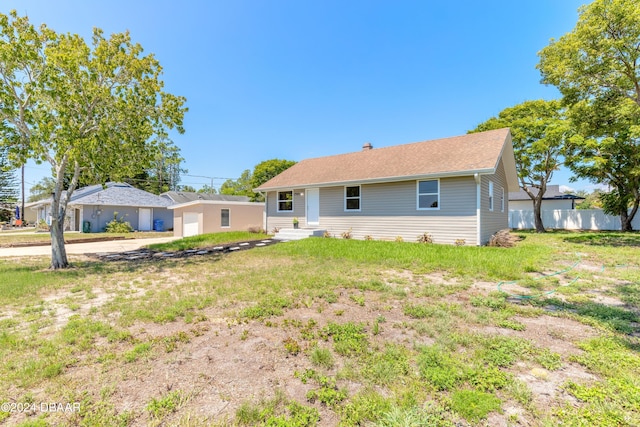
(579, 219)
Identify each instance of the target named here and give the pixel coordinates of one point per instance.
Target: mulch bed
(149, 254)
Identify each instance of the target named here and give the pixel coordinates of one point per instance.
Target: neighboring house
(452, 188)
(92, 207)
(198, 213)
(553, 199)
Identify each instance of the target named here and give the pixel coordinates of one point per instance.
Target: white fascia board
(214, 202)
(383, 180)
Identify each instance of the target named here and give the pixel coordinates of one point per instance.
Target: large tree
(538, 130)
(596, 67)
(238, 187)
(266, 170)
(94, 111)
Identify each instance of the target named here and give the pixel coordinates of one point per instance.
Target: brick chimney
(367, 146)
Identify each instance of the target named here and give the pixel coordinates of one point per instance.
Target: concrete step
(298, 234)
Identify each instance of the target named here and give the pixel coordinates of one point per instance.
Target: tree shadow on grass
(605, 239)
(620, 319)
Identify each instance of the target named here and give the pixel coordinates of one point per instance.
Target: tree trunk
(537, 215)
(58, 251)
(625, 220)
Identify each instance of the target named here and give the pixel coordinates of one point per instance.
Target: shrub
(256, 229)
(474, 405)
(42, 225)
(368, 237)
(275, 230)
(118, 225)
(503, 239)
(347, 234)
(460, 242)
(425, 238)
(326, 235)
(399, 239)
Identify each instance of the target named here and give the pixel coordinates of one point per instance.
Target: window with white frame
(225, 216)
(285, 201)
(429, 194)
(352, 198)
(491, 195)
(502, 199)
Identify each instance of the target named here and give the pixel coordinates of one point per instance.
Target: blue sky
(294, 79)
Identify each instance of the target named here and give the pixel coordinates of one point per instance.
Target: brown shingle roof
(458, 155)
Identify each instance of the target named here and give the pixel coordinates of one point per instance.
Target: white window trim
(278, 201)
(225, 226)
(502, 200)
(418, 194)
(352, 198)
(491, 196)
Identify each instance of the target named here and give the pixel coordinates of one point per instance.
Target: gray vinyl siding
(277, 219)
(491, 222)
(126, 213)
(389, 210)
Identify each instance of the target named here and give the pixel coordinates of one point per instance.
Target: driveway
(85, 248)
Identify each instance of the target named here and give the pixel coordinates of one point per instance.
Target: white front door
(190, 224)
(144, 219)
(313, 206)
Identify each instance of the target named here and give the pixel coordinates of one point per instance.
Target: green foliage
(595, 68)
(439, 368)
(159, 408)
(539, 130)
(118, 225)
(495, 301)
(474, 405)
(271, 306)
(94, 111)
(264, 171)
(365, 407)
(277, 411)
(414, 417)
(239, 187)
(348, 338)
(322, 357)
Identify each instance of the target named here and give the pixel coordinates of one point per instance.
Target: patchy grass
(331, 332)
(8, 239)
(207, 240)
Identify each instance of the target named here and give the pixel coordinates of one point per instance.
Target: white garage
(191, 224)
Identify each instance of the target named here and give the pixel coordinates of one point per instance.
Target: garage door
(190, 224)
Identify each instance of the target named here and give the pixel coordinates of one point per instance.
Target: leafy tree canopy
(539, 130)
(597, 69)
(94, 111)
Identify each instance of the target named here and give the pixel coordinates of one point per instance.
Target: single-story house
(92, 207)
(199, 213)
(452, 188)
(553, 199)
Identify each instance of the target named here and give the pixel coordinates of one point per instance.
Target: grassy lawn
(207, 240)
(330, 332)
(17, 237)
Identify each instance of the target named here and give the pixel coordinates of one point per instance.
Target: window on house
(352, 198)
(491, 195)
(429, 194)
(502, 199)
(285, 201)
(224, 217)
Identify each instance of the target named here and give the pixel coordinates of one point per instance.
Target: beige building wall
(242, 216)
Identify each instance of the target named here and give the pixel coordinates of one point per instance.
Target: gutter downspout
(478, 179)
(265, 217)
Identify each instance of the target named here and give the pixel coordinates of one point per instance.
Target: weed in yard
(139, 351)
(348, 338)
(269, 307)
(277, 412)
(358, 299)
(432, 415)
(292, 346)
(322, 357)
(171, 342)
(512, 324)
(386, 367)
(474, 405)
(364, 408)
(438, 367)
(170, 402)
